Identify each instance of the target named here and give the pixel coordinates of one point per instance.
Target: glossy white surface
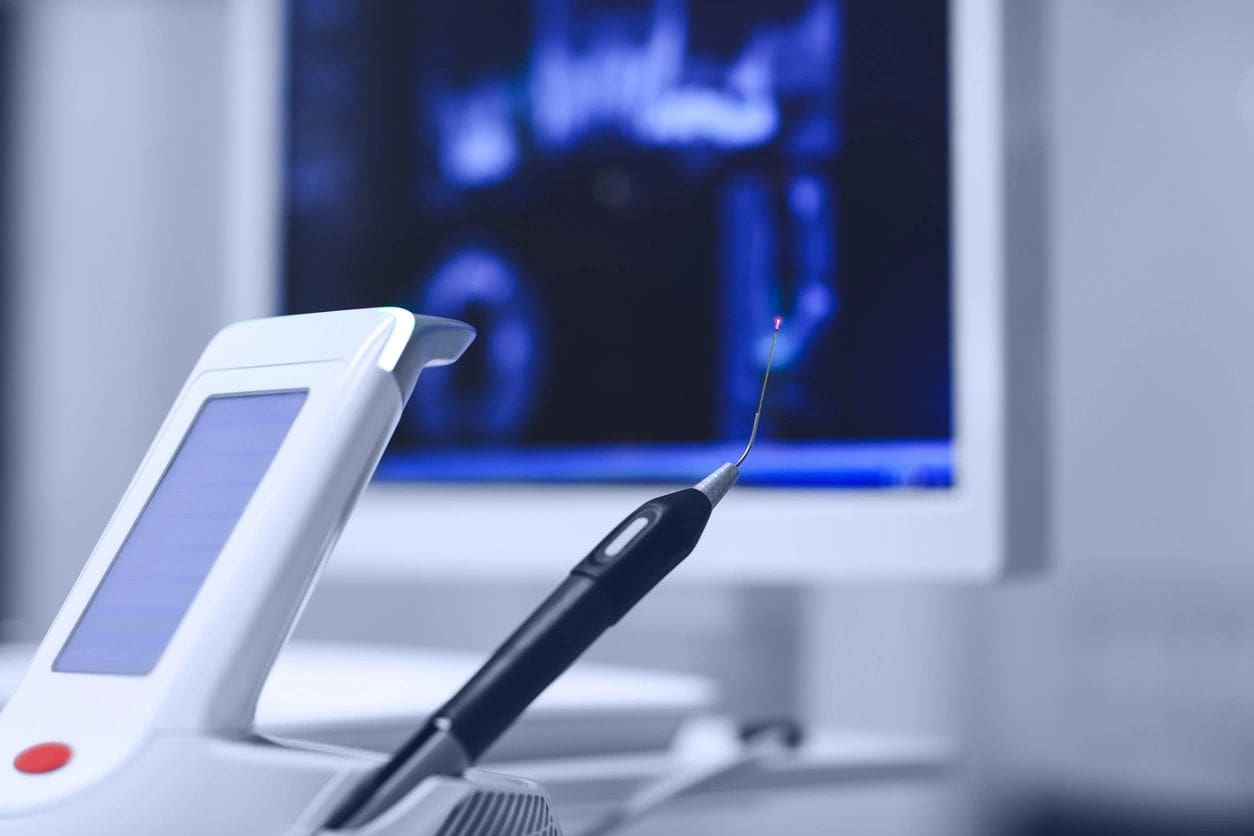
(209, 675)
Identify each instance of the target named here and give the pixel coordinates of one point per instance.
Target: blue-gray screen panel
(179, 534)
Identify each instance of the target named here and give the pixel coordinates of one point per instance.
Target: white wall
(1123, 676)
(1127, 671)
(118, 263)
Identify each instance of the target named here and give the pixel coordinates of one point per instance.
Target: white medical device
(136, 715)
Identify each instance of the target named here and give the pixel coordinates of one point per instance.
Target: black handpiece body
(601, 589)
(597, 593)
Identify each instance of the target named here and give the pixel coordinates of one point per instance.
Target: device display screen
(179, 534)
(620, 195)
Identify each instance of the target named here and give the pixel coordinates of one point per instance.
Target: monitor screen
(621, 196)
(168, 553)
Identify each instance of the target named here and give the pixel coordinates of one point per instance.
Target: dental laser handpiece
(631, 560)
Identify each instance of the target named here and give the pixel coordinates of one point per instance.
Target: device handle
(527, 662)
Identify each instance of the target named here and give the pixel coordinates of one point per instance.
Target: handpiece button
(625, 536)
(43, 757)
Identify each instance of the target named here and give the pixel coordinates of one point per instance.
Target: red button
(43, 757)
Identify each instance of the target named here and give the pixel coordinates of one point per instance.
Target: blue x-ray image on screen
(620, 196)
(179, 534)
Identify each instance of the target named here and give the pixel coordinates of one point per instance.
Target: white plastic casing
(359, 368)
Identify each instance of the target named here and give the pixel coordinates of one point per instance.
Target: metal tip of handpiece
(757, 416)
(717, 484)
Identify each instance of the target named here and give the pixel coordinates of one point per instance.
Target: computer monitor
(621, 196)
